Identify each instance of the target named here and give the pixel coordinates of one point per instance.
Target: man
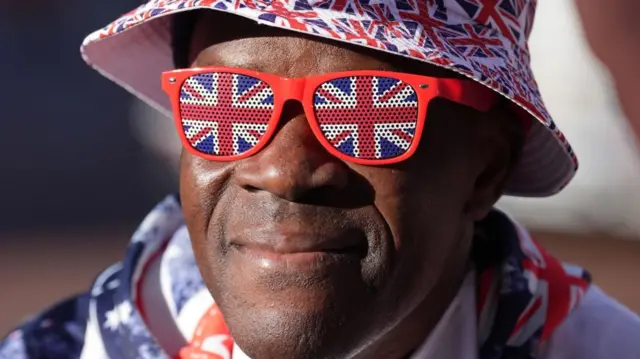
(336, 192)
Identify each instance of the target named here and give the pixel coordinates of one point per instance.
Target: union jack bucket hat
(485, 40)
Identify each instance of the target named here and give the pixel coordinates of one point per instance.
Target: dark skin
(312, 257)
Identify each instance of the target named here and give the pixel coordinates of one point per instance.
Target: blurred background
(81, 161)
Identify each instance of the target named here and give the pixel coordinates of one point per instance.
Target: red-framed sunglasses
(364, 117)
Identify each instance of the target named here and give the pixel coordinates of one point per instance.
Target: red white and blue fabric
(485, 40)
(524, 294)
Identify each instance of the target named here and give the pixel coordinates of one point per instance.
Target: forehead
(230, 40)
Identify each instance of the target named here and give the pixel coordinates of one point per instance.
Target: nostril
(251, 189)
(319, 195)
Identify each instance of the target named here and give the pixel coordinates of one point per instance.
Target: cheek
(423, 205)
(204, 193)
(202, 185)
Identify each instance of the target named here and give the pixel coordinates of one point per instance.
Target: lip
(290, 243)
(299, 250)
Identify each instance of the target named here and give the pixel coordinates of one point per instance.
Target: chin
(295, 322)
(281, 333)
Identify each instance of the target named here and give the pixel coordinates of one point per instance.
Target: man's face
(312, 257)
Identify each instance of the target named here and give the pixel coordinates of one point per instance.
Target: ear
(498, 140)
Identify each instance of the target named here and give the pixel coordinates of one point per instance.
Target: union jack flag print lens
(366, 117)
(225, 114)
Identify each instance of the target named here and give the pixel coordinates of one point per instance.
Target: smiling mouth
(301, 252)
(299, 261)
(360, 250)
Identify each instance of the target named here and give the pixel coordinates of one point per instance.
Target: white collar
(455, 335)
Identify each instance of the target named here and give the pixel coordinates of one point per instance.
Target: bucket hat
(485, 40)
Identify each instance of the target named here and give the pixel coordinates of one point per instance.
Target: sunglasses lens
(367, 117)
(224, 114)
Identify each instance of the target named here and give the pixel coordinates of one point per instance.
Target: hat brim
(135, 49)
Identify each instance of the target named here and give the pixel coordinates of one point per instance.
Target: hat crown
(513, 19)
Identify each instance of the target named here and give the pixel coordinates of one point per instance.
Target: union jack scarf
(523, 294)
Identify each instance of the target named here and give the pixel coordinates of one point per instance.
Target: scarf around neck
(523, 293)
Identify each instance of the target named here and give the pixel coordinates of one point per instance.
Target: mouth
(299, 251)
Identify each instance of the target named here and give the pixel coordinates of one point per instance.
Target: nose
(294, 165)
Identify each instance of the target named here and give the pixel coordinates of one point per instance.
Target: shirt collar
(455, 335)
